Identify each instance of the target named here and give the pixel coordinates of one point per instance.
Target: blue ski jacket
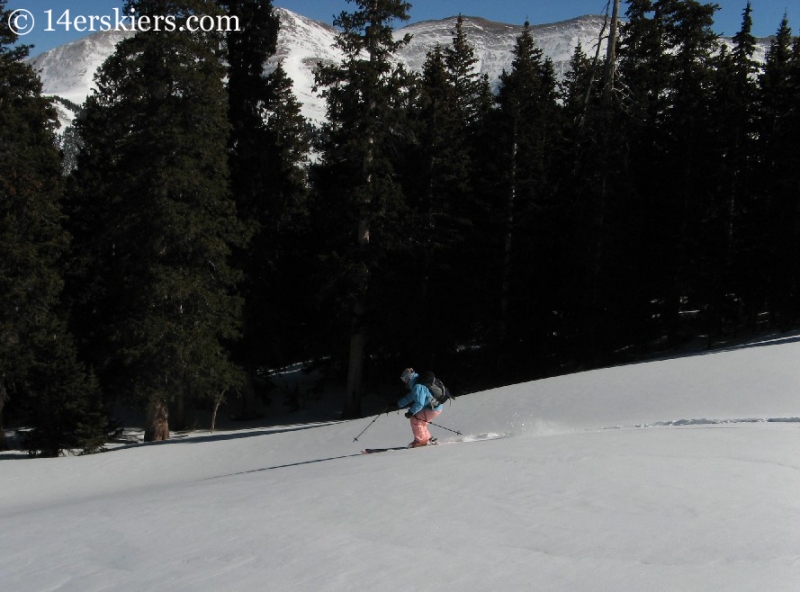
(418, 397)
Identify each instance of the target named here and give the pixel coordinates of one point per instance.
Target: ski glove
(409, 415)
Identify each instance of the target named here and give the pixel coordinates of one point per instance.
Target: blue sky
(767, 13)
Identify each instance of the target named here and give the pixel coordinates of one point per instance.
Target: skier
(420, 412)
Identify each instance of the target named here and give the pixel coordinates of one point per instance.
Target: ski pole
(444, 428)
(370, 425)
(439, 426)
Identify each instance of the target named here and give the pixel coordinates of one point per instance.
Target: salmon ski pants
(419, 424)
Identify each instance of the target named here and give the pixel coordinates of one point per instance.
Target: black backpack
(439, 393)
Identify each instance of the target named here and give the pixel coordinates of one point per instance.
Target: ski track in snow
(704, 422)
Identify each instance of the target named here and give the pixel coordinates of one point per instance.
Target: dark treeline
(496, 231)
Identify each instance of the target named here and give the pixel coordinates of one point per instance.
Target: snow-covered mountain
(67, 71)
(494, 42)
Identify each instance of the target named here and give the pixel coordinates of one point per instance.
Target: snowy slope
(68, 71)
(302, 44)
(679, 475)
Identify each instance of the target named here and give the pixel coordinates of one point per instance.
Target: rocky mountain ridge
(68, 70)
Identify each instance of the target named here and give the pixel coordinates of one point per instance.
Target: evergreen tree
(577, 89)
(732, 277)
(63, 408)
(470, 88)
(154, 221)
(423, 169)
(39, 373)
(779, 177)
(666, 66)
(610, 105)
(527, 126)
(596, 309)
(643, 62)
(268, 154)
(465, 210)
(276, 303)
(580, 94)
(452, 102)
(365, 95)
(691, 152)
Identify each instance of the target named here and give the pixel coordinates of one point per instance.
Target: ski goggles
(407, 375)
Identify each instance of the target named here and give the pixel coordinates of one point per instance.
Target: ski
(476, 438)
(375, 450)
(433, 442)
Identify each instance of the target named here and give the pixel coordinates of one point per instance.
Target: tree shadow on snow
(188, 438)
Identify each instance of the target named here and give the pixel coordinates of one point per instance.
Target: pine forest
(202, 234)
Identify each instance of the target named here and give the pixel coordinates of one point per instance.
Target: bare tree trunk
(358, 338)
(595, 329)
(157, 428)
(355, 373)
(358, 332)
(217, 402)
(611, 56)
(589, 87)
